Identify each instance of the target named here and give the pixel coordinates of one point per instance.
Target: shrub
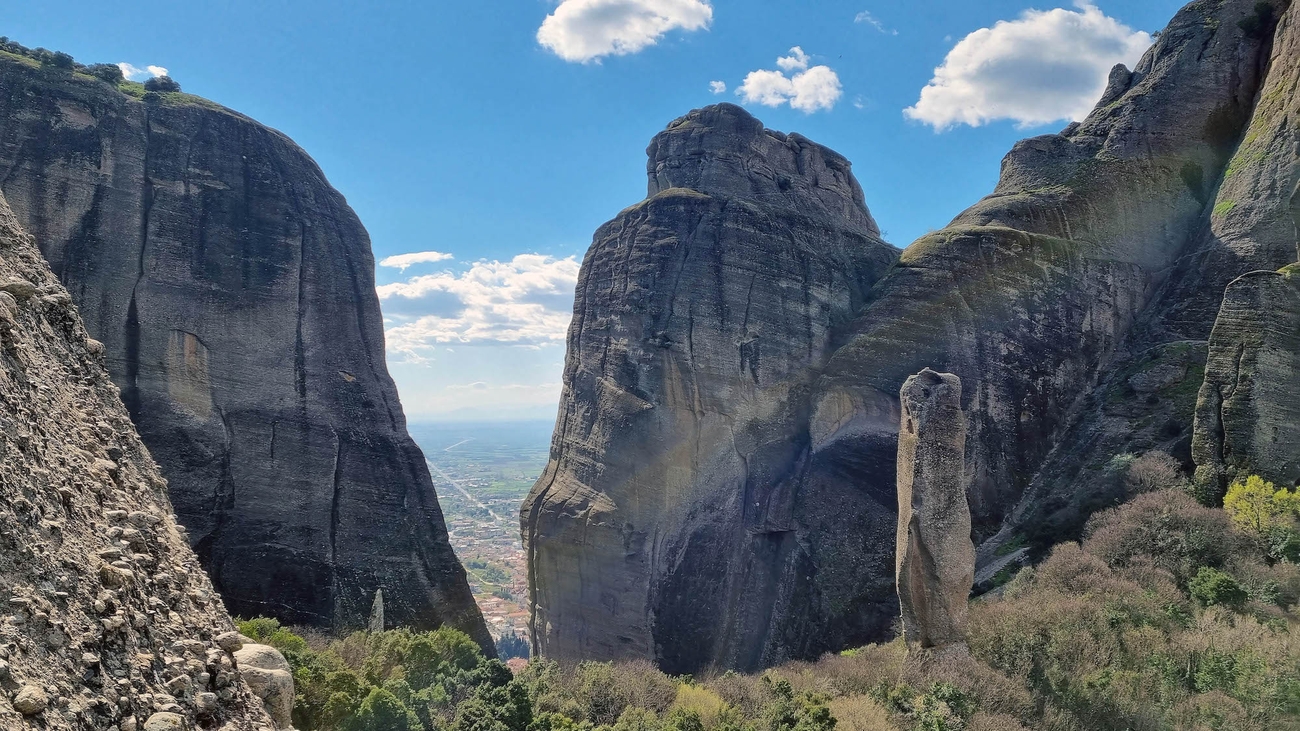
(1153, 472)
(681, 719)
(382, 711)
(162, 84)
(701, 701)
(109, 72)
(637, 719)
(1211, 587)
(860, 713)
(1170, 528)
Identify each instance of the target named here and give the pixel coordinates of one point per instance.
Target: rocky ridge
(1075, 304)
(106, 619)
(233, 290)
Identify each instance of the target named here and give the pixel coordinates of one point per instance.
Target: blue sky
(501, 134)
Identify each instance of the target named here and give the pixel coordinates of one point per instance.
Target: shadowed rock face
(1074, 304)
(98, 579)
(935, 558)
(1248, 416)
(667, 525)
(233, 290)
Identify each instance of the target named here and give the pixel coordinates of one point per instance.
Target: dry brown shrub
(1153, 472)
(994, 722)
(647, 687)
(1178, 534)
(861, 670)
(860, 713)
(1213, 711)
(993, 691)
(745, 692)
(1255, 575)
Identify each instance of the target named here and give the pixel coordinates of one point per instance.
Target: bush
(1211, 587)
(161, 84)
(382, 711)
(109, 72)
(1153, 472)
(1169, 528)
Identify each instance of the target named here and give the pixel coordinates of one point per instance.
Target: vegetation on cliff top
(159, 90)
(1168, 615)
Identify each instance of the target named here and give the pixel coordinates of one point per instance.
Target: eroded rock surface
(935, 566)
(1248, 415)
(233, 290)
(106, 619)
(1074, 303)
(667, 525)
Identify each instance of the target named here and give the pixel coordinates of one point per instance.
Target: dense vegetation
(1169, 615)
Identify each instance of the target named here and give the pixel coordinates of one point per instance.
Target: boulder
(269, 675)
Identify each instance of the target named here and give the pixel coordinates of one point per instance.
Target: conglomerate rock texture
(233, 290)
(665, 525)
(935, 559)
(1075, 304)
(106, 619)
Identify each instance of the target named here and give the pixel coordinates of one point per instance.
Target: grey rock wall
(233, 290)
(108, 621)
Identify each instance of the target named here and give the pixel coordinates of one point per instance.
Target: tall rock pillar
(935, 556)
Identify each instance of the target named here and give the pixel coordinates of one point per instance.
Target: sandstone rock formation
(1248, 415)
(667, 524)
(1075, 304)
(935, 565)
(269, 676)
(233, 290)
(106, 619)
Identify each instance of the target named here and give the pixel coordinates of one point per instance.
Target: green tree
(382, 711)
(1211, 587)
(162, 84)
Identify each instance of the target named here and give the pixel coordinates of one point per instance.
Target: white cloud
(796, 61)
(526, 301)
(586, 30)
(403, 261)
(135, 73)
(718, 87)
(1046, 66)
(809, 90)
(866, 17)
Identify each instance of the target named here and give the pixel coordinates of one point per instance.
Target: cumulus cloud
(718, 87)
(135, 73)
(1046, 66)
(404, 261)
(586, 30)
(796, 61)
(808, 89)
(866, 17)
(526, 301)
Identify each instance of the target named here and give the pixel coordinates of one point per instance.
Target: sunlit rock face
(233, 290)
(667, 524)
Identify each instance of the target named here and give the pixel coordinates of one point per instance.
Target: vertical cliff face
(1247, 419)
(1074, 304)
(1031, 296)
(109, 622)
(233, 290)
(665, 525)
